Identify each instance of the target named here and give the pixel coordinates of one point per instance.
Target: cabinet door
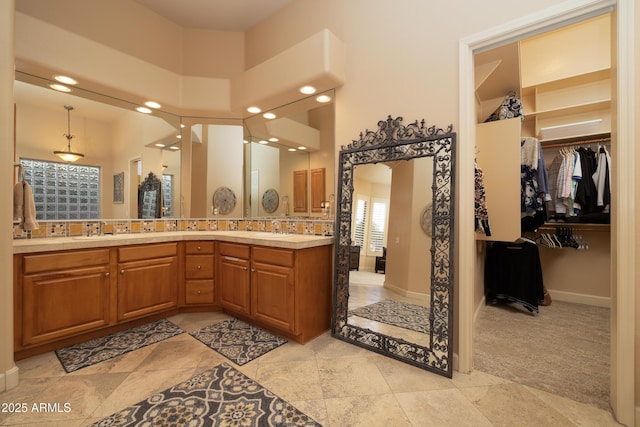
(233, 279)
(64, 303)
(147, 286)
(272, 295)
(498, 145)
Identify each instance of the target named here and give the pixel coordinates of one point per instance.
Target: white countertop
(289, 241)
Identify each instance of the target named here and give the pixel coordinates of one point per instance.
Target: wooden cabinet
(147, 279)
(285, 290)
(272, 287)
(62, 294)
(199, 273)
(234, 277)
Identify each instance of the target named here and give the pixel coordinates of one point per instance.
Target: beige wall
(637, 208)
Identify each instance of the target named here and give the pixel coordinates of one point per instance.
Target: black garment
(512, 273)
(586, 191)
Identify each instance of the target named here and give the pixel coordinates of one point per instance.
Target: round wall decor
(425, 219)
(224, 199)
(270, 200)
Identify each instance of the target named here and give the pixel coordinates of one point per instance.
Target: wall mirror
(111, 135)
(281, 143)
(149, 199)
(407, 312)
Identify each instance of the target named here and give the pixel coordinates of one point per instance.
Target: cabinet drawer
(199, 247)
(282, 257)
(234, 250)
(199, 292)
(198, 267)
(134, 253)
(64, 260)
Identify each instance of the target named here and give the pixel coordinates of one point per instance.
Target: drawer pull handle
(231, 258)
(244, 268)
(198, 267)
(199, 292)
(253, 270)
(198, 248)
(122, 271)
(107, 274)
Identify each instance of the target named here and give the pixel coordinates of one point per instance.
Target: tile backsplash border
(72, 228)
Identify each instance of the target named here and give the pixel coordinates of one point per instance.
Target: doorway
(622, 383)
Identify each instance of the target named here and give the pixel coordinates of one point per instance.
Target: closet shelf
(577, 226)
(602, 104)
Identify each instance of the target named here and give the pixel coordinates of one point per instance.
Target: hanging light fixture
(68, 155)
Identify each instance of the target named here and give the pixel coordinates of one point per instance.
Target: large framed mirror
(408, 315)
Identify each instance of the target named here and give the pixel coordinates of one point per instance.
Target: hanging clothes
(510, 107)
(481, 211)
(513, 274)
(534, 185)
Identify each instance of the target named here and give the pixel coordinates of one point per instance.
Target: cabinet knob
(244, 268)
(199, 292)
(122, 271)
(107, 274)
(253, 269)
(198, 267)
(198, 248)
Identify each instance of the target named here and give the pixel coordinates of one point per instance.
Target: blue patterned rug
(221, 396)
(396, 313)
(238, 341)
(97, 350)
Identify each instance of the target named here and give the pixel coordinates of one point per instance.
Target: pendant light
(68, 155)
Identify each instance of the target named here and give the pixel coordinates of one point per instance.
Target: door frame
(622, 397)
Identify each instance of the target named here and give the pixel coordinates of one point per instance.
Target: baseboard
(637, 416)
(420, 296)
(579, 298)
(9, 379)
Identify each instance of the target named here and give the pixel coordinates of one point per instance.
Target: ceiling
(223, 15)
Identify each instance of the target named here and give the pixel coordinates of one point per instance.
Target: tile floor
(336, 383)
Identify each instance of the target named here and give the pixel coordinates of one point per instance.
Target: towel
(24, 206)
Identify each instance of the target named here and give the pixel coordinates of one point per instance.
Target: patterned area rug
(396, 313)
(221, 396)
(97, 350)
(238, 341)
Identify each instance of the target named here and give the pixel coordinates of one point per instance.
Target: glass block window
(63, 190)
(167, 195)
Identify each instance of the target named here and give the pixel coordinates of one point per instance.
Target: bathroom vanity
(69, 290)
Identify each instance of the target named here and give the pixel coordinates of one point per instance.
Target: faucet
(276, 226)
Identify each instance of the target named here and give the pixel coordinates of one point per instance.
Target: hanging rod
(569, 142)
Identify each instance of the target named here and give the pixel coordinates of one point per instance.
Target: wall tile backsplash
(119, 226)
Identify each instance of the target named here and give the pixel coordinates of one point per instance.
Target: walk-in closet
(543, 138)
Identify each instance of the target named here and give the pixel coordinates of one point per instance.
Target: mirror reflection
(388, 285)
(282, 147)
(121, 144)
(395, 217)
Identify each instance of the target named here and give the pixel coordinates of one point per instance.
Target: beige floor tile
(353, 376)
(40, 366)
(366, 411)
(504, 403)
(182, 351)
(475, 379)
(315, 409)
(297, 380)
(403, 377)
(448, 407)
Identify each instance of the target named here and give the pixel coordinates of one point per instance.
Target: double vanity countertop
(288, 241)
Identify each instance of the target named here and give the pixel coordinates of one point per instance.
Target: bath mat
(100, 349)
(221, 396)
(238, 341)
(396, 313)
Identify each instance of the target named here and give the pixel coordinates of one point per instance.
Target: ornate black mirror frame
(150, 185)
(394, 141)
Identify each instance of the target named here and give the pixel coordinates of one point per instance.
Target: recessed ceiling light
(323, 98)
(160, 145)
(269, 116)
(245, 141)
(152, 104)
(65, 79)
(308, 90)
(291, 149)
(59, 87)
(262, 141)
(174, 147)
(274, 139)
(179, 136)
(254, 110)
(144, 110)
(302, 148)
